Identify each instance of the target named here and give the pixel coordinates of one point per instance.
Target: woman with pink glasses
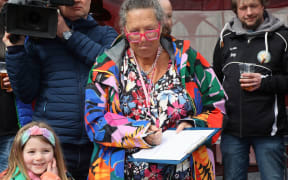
(146, 83)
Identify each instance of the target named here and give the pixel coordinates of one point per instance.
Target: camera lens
(33, 20)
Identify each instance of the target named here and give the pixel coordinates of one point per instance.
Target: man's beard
(254, 26)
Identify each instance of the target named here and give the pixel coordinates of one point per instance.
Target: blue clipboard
(167, 161)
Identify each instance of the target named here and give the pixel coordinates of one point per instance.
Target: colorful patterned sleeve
(204, 88)
(103, 118)
(212, 93)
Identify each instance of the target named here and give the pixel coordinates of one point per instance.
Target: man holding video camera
(53, 73)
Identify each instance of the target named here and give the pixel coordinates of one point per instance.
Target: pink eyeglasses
(135, 37)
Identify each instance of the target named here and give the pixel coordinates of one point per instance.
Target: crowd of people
(83, 102)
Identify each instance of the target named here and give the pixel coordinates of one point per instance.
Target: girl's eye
(31, 152)
(45, 151)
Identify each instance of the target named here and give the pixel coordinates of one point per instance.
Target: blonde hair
(16, 153)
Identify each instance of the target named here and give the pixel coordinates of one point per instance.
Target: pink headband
(37, 131)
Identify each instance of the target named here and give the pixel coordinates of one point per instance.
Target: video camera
(35, 18)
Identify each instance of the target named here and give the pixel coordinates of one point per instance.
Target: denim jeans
(77, 159)
(269, 152)
(5, 146)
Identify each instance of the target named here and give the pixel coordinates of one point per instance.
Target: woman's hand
(156, 137)
(52, 167)
(182, 126)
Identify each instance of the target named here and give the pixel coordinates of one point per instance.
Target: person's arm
(87, 46)
(104, 123)
(217, 61)
(212, 93)
(277, 83)
(87, 49)
(23, 71)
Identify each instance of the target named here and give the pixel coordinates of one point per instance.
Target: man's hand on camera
(62, 26)
(8, 43)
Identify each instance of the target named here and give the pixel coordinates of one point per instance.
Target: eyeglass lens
(149, 35)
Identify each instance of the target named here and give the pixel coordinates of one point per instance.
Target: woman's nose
(142, 38)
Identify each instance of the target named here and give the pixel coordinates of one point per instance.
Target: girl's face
(37, 154)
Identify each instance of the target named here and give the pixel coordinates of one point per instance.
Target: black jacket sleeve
(24, 73)
(278, 82)
(218, 61)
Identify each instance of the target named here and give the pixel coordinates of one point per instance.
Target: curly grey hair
(129, 5)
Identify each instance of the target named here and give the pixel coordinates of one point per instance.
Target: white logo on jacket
(233, 55)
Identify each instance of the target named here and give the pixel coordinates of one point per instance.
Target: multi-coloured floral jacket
(112, 132)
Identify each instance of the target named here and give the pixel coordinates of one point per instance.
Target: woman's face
(141, 21)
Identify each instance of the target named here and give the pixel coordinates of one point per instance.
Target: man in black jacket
(255, 107)
(13, 114)
(11, 110)
(8, 125)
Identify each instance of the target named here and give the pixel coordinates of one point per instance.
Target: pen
(151, 132)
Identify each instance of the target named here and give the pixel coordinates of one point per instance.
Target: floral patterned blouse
(169, 103)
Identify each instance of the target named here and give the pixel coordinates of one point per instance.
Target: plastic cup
(246, 68)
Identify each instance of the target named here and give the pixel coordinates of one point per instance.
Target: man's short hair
(234, 4)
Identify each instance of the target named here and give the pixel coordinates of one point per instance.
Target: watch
(67, 35)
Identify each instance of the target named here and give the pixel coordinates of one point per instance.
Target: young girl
(36, 155)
